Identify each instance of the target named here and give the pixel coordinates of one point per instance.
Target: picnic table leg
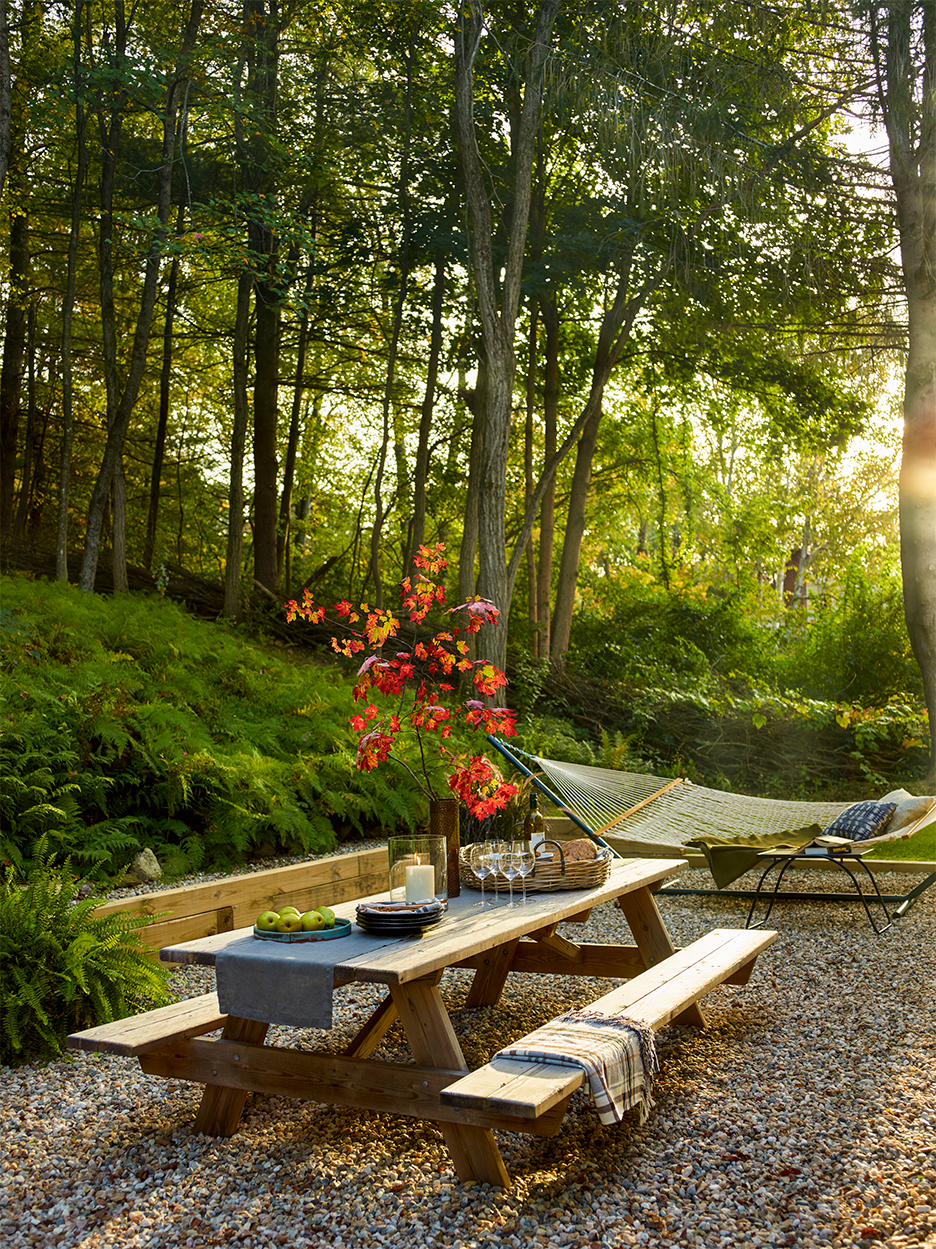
(491, 976)
(221, 1108)
(433, 1042)
(653, 940)
(373, 1030)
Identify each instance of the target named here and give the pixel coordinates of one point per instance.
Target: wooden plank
(564, 951)
(187, 928)
(332, 894)
(258, 890)
(140, 1033)
(221, 1106)
(509, 1086)
(610, 962)
(374, 1030)
(388, 1088)
(662, 993)
(654, 942)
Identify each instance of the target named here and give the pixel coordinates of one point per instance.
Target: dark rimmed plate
(341, 929)
(382, 927)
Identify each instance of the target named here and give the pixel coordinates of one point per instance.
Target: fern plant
(63, 968)
(125, 722)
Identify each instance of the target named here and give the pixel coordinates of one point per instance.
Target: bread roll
(580, 851)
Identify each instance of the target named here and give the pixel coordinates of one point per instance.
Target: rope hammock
(643, 812)
(653, 811)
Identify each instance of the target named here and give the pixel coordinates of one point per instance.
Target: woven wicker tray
(548, 875)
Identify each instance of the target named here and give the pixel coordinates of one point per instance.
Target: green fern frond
(64, 968)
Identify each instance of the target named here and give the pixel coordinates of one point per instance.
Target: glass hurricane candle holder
(418, 869)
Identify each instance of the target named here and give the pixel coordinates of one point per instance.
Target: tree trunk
(14, 351)
(468, 552)
(404, 267)
(38, 483)
(421, 474)
(14, 115)
(292, 443)
(498, 298)
(528, 469)
(549, 310)
(266, 424)
(165, 383)
(32, 439)
(119, 536)
(574, 531)
(262, 86)
(908, 99)
(284, 529)
(5, 100)
(68, 308)
(235, 533)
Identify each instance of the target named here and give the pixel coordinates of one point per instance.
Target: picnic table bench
(654, 998)
(662, 985)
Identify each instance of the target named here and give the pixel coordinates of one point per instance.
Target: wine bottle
(534, 826)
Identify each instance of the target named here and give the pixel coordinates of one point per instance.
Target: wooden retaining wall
(192, 911)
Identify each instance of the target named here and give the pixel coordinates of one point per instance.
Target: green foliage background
(127, 722)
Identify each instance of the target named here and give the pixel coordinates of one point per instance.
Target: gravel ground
(804, 1115)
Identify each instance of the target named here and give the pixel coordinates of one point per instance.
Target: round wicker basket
(549, 875)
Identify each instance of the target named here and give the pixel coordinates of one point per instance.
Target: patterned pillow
(862, 821)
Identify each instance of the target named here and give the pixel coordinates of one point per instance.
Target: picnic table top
(466, 931)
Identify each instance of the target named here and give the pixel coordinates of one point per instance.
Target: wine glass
(510, 867)
(526, 861)
(480, 857)
(499, 858)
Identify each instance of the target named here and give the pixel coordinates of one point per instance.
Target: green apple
(312, 921)
(327, 914)
(267, 921)
(288, 923)
(288, 910)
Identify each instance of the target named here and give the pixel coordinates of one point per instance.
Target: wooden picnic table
(493, 942)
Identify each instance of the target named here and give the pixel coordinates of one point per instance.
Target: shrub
(653, 636)
(63, 968)
(854, 648)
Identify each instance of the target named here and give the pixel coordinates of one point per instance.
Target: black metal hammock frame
(646, 813)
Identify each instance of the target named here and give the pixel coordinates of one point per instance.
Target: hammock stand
(649, 813)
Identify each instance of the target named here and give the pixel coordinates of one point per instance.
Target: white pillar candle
(420, 883)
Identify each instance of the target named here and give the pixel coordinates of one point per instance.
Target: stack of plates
(398, 919)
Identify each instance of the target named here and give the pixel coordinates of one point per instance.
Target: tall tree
(260, 170)
(903, 44)
(498, 278)
(121, 402)
(15, 100)
(68, 299)
(5, 93)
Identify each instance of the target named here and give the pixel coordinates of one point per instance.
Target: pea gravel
(804, 1115)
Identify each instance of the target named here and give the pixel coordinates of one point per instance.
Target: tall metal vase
(443, 822)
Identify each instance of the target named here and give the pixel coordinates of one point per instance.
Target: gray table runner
(285, 983)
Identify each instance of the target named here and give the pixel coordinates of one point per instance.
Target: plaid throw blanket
(618, 1056)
